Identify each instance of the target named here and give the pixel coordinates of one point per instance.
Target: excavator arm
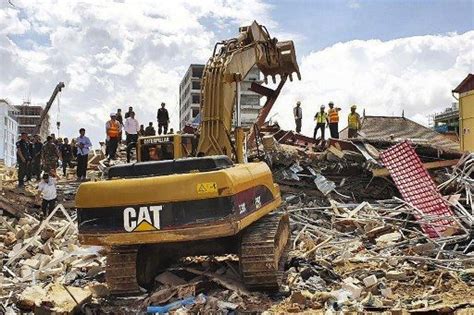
(230, 63)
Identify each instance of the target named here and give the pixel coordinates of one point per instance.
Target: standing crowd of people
(116, 126)
(35, 157)
(329, 118)
(41, 160)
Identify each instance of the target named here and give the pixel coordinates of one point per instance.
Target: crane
(57, 89)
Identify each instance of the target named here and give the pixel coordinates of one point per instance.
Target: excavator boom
(231, 61)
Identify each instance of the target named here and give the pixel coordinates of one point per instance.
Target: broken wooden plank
(336, 151)
(6, 205)
(380, 172)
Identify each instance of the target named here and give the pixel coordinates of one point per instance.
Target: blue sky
(324, 23)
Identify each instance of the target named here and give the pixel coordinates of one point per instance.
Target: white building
(190, 96)
(249, 100)
(8, 132)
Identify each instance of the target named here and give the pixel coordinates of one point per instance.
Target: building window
(196, 98)
(197, 72)
(196, 85)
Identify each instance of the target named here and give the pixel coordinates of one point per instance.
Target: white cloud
(10, 22)
(111, 54)
(353, 4)
(414, 74)
(116, 54)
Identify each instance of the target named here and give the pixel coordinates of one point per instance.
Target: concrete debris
(357, 245)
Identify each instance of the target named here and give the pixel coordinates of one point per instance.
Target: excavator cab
(166, 147)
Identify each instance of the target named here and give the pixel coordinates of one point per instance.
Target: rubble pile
(374, 257)
(357, 245)
(41, 259)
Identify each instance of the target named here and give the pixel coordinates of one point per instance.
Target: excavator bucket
(288, 57)
(286, 65)
(273, 57)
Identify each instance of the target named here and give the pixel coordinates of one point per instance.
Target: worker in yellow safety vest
(321, 118)
(353, 121)
(333, 114)
(113, 130)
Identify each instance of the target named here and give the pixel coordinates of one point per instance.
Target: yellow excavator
(170, 204)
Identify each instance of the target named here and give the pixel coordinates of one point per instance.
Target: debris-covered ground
(361, 242)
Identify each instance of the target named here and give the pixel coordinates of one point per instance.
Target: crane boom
(57, 89)
(223, 73)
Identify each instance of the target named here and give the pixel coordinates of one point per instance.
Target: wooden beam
(379, 172)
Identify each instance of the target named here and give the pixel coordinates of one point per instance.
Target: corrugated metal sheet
(417, 187)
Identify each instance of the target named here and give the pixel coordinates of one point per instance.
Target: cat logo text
(142, 219)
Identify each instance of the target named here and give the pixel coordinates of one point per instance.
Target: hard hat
(354, 106)
(331, 103)
(113, 114)
(298, 103)
(322, 106)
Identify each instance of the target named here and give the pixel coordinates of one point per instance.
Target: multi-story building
(190, 96)
(448, 120)
(29, 117)
(8, 132)
(249, 100)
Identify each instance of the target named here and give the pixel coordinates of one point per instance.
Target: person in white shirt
(47, 190)
(83, 145)
(131, 127)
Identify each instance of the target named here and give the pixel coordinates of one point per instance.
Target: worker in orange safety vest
(113, 130)
(333, 117)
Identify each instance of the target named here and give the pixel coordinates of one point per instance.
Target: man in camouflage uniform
(50, 156)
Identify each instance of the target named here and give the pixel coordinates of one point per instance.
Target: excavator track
(121, 270)
(263, 252)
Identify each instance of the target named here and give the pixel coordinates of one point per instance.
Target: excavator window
(158, 151)
(156, 148)
(159, 148)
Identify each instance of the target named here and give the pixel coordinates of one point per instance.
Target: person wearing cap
(353, 121)
(321, 119)
(23, 158)
(112, 129)
(298, 113)
(333, 116)
(47, 190)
